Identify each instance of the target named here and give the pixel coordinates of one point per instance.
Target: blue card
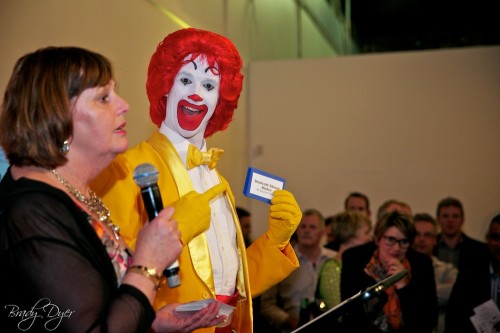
(261, 185)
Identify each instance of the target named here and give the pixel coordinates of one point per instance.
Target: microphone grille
(145, 174)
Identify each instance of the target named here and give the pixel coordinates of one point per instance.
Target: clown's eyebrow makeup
(213, 69)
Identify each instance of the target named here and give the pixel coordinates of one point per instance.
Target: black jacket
(472, 253)
(418, 299)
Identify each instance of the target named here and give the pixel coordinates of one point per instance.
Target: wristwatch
(151, 273)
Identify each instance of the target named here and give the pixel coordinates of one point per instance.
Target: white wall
(416, 126)
(127, 32)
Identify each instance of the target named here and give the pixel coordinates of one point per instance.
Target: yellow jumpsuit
(261, 266)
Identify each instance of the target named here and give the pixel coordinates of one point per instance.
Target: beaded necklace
(94, 204)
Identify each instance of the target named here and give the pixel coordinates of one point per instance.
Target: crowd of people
(449, 275)
(82, 252)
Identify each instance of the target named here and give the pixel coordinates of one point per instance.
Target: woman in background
(409, 305)
(350, 229)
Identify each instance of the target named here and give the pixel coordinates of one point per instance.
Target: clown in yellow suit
(194, 82)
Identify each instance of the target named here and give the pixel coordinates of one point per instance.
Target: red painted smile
(189, 115)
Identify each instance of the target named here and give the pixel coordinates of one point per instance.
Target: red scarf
(392, 309)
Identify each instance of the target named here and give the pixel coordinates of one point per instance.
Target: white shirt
(221, 235)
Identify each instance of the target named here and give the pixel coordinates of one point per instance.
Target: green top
(329, 282)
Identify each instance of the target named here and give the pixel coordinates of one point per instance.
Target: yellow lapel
(198, 247)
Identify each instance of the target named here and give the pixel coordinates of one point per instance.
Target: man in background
(453, 245)
(393, 205)
(358, 202)
(355, 201)
(445, 273)
(478, 287)
(280, 305)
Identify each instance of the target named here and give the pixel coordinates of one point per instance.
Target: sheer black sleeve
(54, 265)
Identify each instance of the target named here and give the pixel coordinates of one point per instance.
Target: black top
(418, 299)
(53, 262)
(472, 288)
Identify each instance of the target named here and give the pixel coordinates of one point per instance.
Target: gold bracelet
(150, 273)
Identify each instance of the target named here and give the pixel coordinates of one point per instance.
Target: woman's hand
(394, 266)
(158, 243)
(169, 320)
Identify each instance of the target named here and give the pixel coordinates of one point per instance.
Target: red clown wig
(169, 58)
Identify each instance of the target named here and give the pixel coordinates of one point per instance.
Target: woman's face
(99, 123)
(192, 99)
(393, 245)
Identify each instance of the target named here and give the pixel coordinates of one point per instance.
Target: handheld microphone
(146, 176)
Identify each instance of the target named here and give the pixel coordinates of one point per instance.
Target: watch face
(154, 276)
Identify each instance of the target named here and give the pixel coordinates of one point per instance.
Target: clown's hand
(284, 217)
(192, 212)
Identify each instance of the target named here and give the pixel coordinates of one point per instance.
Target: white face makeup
(192, 100)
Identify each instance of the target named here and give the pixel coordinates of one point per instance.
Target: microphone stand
(341, 308)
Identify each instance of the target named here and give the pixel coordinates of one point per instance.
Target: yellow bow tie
(196, 157)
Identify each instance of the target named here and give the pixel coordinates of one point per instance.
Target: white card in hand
(225, 309)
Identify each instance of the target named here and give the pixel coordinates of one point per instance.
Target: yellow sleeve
(116, 187)
(267, 265)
